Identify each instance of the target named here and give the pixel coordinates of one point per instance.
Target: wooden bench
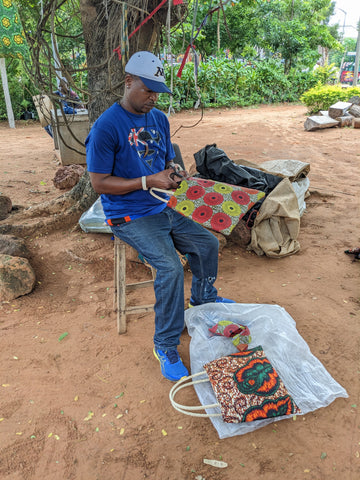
(121, 287)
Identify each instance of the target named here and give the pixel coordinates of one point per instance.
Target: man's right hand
(163, 179)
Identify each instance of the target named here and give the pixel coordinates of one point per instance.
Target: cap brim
(158, 87)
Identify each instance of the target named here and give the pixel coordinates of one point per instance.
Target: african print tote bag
(246, 386)
(216, 205)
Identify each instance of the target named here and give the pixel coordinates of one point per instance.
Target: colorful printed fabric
(248, 388)
(12, 36)
(239, 334)
(216, 205)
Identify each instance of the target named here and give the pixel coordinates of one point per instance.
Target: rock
(356, 122)
(14, 246)
(345, 121)
(354, 110)
(5, 207)
(354, 100)
(339, 109)
(241, 234)
(68, 176)
(316, 122)
(17, 277)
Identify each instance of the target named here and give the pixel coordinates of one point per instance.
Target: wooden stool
(121, 287)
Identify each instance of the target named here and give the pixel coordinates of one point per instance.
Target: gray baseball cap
(149, 68)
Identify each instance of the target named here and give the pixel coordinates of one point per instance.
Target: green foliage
(322, 97)
(327, 74)
(338, 55)
(21, 90)
(229, 83)
(292, 29)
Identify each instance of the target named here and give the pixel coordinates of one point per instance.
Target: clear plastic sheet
(306, 379)
(93, 220)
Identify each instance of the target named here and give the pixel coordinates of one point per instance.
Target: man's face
(139, 99)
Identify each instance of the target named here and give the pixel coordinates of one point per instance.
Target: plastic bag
(93, 220)
(306, 379)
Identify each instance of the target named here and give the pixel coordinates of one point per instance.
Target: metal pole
(9, 110)
(356, 66)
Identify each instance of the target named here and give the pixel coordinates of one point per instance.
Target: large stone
(17, 277)
(68, 176)
(339, 109)
(14, 246)
(355, 100)
(319, 121)
(5, 207)
(241, 234)
(354, 110)
(345, 121)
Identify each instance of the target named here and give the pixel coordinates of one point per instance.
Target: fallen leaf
(63, 335)
(323, 455)
(164, 432)
(89, 416)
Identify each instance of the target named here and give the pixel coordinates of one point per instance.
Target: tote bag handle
(191, 410)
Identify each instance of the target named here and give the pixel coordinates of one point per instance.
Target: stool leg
(121, 288)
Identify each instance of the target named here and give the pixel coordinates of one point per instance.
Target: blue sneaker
(218, 300)
(171, 365)
(224, 300)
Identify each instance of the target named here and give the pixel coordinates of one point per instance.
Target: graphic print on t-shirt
(146, 143)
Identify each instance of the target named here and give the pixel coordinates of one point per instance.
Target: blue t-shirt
(128, 145)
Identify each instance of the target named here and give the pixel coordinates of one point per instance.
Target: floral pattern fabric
(248, 388)
(12, 37)
(216, 205)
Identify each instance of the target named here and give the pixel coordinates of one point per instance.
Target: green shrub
(21, 90)
(322, 97)
(226, 82)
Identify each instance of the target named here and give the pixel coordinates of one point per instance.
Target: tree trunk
(102, 34)
(101, 22)
(62, 212)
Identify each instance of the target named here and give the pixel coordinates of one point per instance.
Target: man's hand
(165, 179)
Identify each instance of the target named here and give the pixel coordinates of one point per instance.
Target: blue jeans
(156, 238)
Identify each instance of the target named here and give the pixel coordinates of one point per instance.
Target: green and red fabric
(248, 388)
(216, 205)
(12, 37)
(239, 334)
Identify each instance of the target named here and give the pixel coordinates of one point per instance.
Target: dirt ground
(93, 406)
